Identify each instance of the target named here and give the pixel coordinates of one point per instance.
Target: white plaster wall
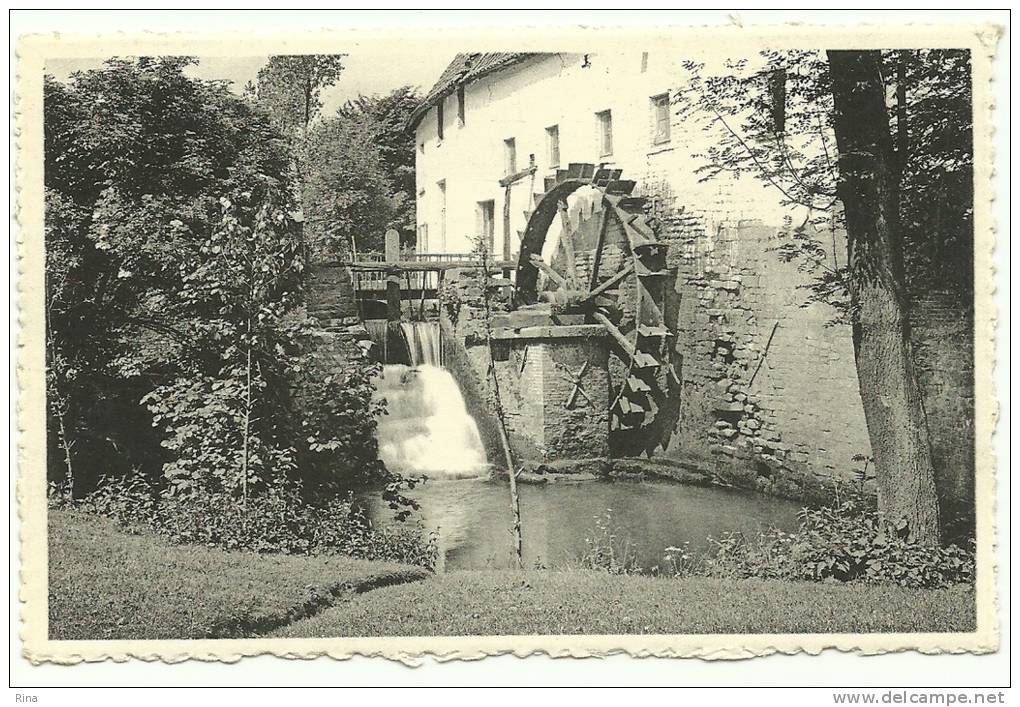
(556, 89)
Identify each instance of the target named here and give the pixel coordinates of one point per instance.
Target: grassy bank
(577, 602)
(106, 584)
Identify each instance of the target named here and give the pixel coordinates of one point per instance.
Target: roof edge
(464, 72)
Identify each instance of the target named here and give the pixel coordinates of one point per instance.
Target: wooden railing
(404, 274)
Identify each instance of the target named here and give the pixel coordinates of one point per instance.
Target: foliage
(608, 548)
(280, 520)
(225, 417)
(333, 393)
(849, 542)
(177, 350)
(937, 179)
(391, 114)
(358, 175)
(680, 561)
(346, 192)
(355, 168)
(771, 119)
(137, 158)
(290, 87)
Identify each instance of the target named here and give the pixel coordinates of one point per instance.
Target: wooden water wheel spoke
(560, 281)
(609, 267)
(567, 245)
(608, 284)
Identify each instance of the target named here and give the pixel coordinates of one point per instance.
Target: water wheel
(590, 248)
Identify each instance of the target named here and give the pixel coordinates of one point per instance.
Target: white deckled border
(34, 50)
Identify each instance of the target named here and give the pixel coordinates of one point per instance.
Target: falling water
(426, 429)
(422, 342)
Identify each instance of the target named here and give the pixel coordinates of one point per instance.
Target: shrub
(276, 521)
(848, 542)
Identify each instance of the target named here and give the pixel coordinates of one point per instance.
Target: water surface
(472, 518)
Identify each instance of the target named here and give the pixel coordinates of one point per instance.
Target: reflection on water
(472, 517)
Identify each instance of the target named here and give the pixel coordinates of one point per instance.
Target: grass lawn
(106, 584)
(576, 602)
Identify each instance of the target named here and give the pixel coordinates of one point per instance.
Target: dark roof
(463, 69)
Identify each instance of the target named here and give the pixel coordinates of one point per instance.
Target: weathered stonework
(553, 379)
(770, 397)
(330, 295)
(942, 328)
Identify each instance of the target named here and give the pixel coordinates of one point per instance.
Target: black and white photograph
(680, 346)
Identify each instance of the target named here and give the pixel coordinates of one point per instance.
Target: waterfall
(422, 342)
(427, 429)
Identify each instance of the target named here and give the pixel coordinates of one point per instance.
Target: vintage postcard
(671, 342)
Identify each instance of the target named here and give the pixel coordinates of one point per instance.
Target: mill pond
(472, 519)
(428, 432)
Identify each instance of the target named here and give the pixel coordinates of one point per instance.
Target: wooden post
(392, 247)
(506, 221)
(392, 255)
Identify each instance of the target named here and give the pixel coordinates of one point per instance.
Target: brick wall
(554, 425)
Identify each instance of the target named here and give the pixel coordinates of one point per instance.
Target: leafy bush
(166, 228)
(848, 542)
(278, 520)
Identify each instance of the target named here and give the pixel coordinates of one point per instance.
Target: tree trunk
(57, 405)
(511, 468)
(245, 451)
(892, 401)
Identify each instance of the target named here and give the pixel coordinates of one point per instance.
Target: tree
(390, 115)
(516, 529)
(868, 189)
(358, 176)
(136, 157)
(290, 87)
(346, 193)
(139, 159)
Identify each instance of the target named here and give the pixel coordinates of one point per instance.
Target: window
(660, 119)
(460, 106)
(485, 224)
(423, 238)
(439, 118)
(605, 127)
(510, 156)
(442, 216)
(552, 142)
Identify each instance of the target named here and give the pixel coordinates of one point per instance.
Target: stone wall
(553, 380)
(478, 400)
(330, 294)
(943, 337)
(770, 398)
(557, 383)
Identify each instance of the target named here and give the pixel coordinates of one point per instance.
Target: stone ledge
(568, 331)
